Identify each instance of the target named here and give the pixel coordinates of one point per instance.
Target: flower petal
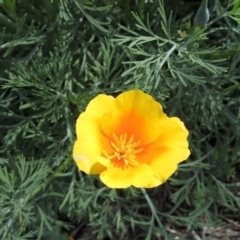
(174, 133)
(134, 113)
(100, 105)
(88, 145)
(139, 176)
(171, 145)
(164, 168)
(104, 161)
(168, 150)
(140, 102)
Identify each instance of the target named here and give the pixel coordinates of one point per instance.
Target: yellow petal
(155, 182)
(90, 141)
(164, 168)
(168, 150)
(100, 105)
(171, 145)
(174, 133)
(165, 162)
(134, 113)
(173, 141)
(139, 176)
(88, 145)
(104, 161)
(141, 102)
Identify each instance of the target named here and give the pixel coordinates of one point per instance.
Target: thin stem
(153, 209)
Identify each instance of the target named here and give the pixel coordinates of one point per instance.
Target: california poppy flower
(128, 140)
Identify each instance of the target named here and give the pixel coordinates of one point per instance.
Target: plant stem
(154, 211)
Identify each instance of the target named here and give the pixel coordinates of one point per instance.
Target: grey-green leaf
(202, 16)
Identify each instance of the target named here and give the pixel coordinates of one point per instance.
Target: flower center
(124, 151)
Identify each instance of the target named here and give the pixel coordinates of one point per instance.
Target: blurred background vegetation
(56, 55)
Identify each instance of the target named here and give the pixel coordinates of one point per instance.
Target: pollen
(124, 151)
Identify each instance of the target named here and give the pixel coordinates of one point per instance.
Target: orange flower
(128, 140)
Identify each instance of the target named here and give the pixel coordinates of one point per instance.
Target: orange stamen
(124, 151)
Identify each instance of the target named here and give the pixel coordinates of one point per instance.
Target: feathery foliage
(57, 55)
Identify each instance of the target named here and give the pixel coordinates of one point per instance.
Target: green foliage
(57, 55)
